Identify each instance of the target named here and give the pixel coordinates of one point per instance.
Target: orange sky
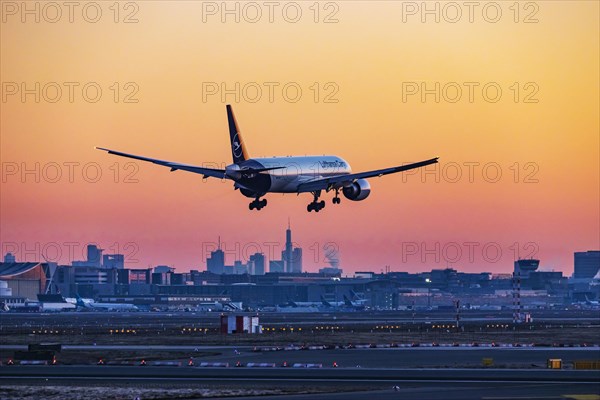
(547, 151)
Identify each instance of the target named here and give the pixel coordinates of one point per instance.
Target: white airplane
(346, 303)
(90, 304)
(255, 177)
(589, 302)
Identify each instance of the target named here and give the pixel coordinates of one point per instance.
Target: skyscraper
(94, 255)
(291, 257)
(587, 264)
(256, 264)
(216, 262)
(287, 253)
(297, 260)
(239, 268)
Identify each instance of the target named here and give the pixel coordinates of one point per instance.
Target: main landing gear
(258, 204)
(316, 206)
(336, 199)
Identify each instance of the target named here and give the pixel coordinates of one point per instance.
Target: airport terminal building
(23, 279)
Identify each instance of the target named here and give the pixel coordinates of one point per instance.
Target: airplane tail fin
(347, 301)
(80, 302)
(238, 149)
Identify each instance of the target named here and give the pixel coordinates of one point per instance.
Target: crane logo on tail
(237, 147)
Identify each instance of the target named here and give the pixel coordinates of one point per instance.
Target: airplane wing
(207, 172)
(340, 180)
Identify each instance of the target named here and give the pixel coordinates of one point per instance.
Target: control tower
(524, 267)
(522, 270)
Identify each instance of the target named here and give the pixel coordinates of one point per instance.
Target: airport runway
(303, 374)
(414, 357)
(345, 389)
(464, 391)
(400, 357)
(411, 384)
(348, 381)
(406, 390)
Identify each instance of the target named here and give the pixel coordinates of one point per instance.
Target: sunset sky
(541, 134)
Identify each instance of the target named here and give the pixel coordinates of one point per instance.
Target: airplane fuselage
(288, 174)
(92, 305)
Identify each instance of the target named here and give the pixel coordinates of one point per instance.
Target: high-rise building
(239, 268)
(9, 258)
(587, 264)
(94, 255)
(256, 264)
(287, 252)
(297, 260)
(216, 262)
(291, 257)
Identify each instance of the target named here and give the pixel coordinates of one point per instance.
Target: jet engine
(248, 193)
(358, 190)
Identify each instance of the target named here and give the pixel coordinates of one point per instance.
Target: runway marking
(521, 398)
(582, 396)
(564, 396)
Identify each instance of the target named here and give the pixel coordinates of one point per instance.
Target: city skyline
(106, 277)
(235, 262)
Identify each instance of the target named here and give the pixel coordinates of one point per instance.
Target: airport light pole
(428, 282)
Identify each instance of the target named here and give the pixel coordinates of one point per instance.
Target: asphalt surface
(421, 384)
(401, 357)
(305, 374)
(421, 373)
(344, 389)
(413, 357)
(465, 391)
